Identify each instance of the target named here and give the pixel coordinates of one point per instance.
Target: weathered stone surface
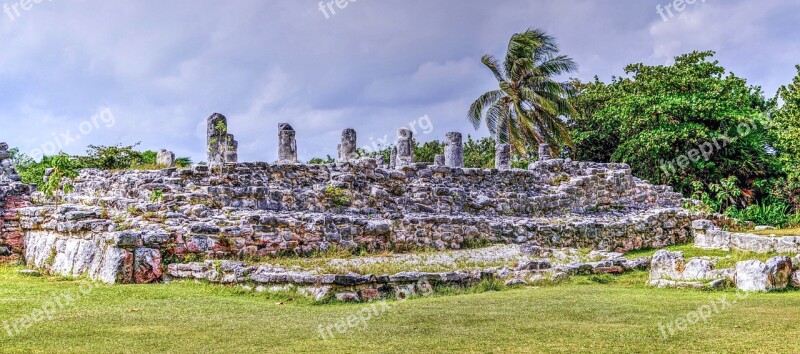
(93, 256)
(217, 134)
(348, 297)
(752, 276)
(664, 283)
(667, 265)
(165, 158)
(502, 159)
(405, 148)
(535, 265)
(453, 150)
(147, 265)
(698, 269)
(287, 144)
(544, 152)
(515, 282)
(232, 150)
(795, 279)
(780, 272)
(393, 158)
(347, 148)
(711, 237)
(439, 160)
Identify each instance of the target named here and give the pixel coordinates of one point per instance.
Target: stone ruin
(13, 195)
(138, 226)
(222, 147)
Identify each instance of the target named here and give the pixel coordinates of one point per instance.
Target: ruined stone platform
(401, 275)
(127, 226)
(115, 229)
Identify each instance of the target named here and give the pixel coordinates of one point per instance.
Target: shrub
(337, 196)
(765, 213)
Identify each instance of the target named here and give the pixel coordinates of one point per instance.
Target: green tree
(427, 152)
(529, 105)
(183, 162)
(116, 157)
(321, 161)
(479, 153)
(654, 118)
(787, 128)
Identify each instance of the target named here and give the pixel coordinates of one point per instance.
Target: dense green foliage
(786, 133)
(528, 106)
(700, 129)
(659, 114)
(117, 157)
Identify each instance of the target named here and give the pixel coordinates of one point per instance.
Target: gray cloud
(163, 67)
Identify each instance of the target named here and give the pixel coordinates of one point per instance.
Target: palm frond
(477, 107)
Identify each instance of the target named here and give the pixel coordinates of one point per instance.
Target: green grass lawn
(581, 316)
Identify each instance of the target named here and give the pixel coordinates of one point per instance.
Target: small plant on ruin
(559, 179)
(60, 179)
(157, 196)
(337, 196)
(133, 210)
(226, 241)
(150, 215)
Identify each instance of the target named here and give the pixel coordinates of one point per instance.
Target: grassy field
(581, 316)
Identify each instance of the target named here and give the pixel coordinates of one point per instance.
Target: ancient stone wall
(121, 226)
(118, 226)
(13, 195)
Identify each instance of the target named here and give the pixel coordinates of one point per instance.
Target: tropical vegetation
(528, 106)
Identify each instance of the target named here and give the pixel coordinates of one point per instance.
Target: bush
(117, 157)
(772, 214)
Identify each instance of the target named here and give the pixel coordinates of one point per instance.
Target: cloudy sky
(104, 72)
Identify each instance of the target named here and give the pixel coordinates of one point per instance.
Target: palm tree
(529, 105)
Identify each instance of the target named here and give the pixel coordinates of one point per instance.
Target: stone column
(347, 149)
(544, 152)
(393, 158)
(165, 158)
(287, 144)
(439, 160)
(217, 133)
(405, 147)
(453, 150)
(6, 165)
(232, 152)
(502, 157)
